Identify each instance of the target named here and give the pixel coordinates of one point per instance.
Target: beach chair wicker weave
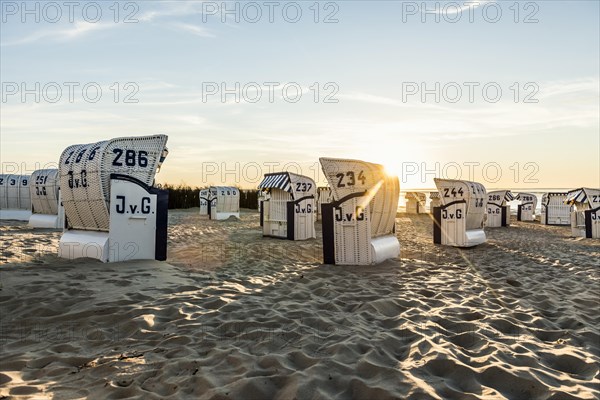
(585, 218)
(526, 210)
(224, 202)
(15, 199)
(555, 210)
(87, 174)
(44, 190)
(459, 220)
(46, 202)
(498, 209)
(85, 171)
(359, 223)
(288, 206)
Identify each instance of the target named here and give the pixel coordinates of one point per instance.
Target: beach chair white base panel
(577, 224)
(275, 229)
(46, 221)
(449, 227)
(564, 221)
(474, 237)
(15, 215)
(470, 238)
(384, 247)
(137, 227)
(84, 244)
(49, 221)
(577, 232)
(220, 216)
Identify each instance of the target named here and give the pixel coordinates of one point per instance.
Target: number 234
(351, 179)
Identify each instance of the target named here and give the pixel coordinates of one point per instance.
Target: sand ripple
(233, 315)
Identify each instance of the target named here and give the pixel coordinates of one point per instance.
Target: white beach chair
(359, 225)
(459, 220)
(112, 211)
(262, 196)
(415, 203)
(498, 209)
(288, 212)
(585, 219)
(555, 211)
(46, 202)
(323, 197)
(526, 210)
(15, 199)
(204, 201)
(435, 201)
(224, 202)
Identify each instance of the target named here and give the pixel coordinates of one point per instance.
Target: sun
(398, 160)
(392, 167)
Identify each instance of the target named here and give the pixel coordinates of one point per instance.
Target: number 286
(131, 157)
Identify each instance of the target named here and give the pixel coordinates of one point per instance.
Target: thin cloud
(77, 30)
(172, 9)
(456, 7)
(386, 101)
(590, 86)
(193, 29)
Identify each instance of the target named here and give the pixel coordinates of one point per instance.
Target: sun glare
(395, 158)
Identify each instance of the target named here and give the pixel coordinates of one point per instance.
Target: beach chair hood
(85, 171)
(354, 178)
(365, 201)
(297, 186)
(588, 196)
(112, 211)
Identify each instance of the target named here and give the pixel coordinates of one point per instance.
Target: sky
(504, 93)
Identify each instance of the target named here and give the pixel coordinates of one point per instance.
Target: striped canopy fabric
(577, 196)
(509, 196)
(278, 180)
(434, 195)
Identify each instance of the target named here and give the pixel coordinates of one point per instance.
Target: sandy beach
(232, 315)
